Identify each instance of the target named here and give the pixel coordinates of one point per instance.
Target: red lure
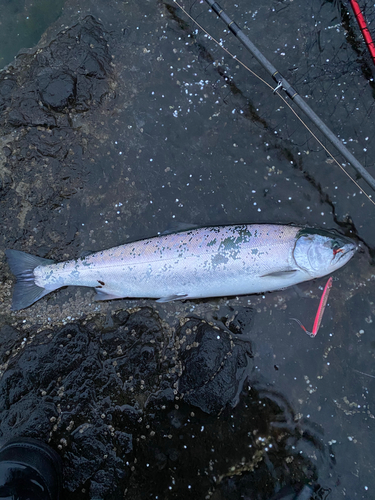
(320, 312)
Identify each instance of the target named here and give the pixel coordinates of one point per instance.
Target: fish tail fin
(22, 265)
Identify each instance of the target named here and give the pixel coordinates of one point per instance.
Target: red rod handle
(364, 28)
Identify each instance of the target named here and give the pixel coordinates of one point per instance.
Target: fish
(198, 263)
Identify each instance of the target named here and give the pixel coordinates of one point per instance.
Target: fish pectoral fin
(281, 274)
(101, 295)
(170, 298)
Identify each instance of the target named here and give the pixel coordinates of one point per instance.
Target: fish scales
(198, 263)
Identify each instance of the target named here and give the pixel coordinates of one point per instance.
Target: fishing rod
(364, 28)
(283, 84)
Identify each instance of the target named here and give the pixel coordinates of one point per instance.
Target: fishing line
(276, 91)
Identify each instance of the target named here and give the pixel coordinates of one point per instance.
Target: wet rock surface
(209, 381)
(122, 120)
(151, 411)
(39, 100)
(70, 74)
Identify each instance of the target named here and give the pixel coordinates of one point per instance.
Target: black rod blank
(292, 93)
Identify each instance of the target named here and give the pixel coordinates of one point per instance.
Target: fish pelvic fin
(22, 265)
(170, 298)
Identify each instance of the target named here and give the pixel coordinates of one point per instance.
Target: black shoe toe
(29, 469)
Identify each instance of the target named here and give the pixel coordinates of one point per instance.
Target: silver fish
(206, 262)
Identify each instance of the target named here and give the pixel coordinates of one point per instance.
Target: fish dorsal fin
(85, 253)
(178, 227)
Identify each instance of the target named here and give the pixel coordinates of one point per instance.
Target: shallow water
(159, 125)
(22, 24)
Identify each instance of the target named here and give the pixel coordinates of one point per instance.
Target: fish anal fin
(102, 295)
(178, 227)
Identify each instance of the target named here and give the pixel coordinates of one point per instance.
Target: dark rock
(57, 89)
(28, 112)
(215, 366)
(106, 400)
(71, 73)
(9, 338)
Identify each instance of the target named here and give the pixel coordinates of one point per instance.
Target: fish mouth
(347, 250)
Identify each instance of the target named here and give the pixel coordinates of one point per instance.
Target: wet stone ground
(139, 408)
(123, 120)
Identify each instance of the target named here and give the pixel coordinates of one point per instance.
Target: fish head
(320, 252)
